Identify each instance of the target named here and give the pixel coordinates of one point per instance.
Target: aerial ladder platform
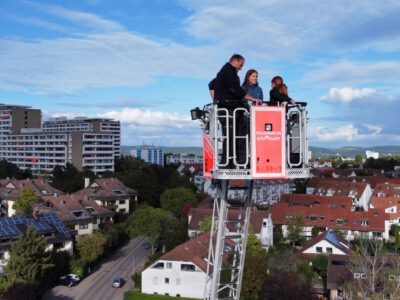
(258, 142)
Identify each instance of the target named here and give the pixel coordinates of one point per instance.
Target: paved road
(97, 286)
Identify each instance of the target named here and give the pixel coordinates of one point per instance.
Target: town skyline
(148, 63)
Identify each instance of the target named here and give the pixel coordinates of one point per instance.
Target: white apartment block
(83, 124)
(93, 144)
(150, 154)
(184, 158)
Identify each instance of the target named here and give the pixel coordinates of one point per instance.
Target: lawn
(139, 296)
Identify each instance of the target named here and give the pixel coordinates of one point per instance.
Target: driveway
(97, 286)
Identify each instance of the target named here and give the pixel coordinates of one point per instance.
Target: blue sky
(147, 63)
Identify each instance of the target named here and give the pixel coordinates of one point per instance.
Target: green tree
(9, 170)
(148, 221)
(320, 264)
(173, 233)
(358, 159)
(28, 259)
(255, 268)
(295, 226)
(277, 234)
(24, 203)
(205, 224)
(67, 178)
(314, 231)
(91, 247)
(174, 200)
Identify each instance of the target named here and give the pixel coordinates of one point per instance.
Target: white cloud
(95, 61)
(89, 20)
(352, 133)
(344, 133)
(347, 94)
(347, 72)
(375, 129)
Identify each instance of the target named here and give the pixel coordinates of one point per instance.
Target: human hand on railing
(256, 101)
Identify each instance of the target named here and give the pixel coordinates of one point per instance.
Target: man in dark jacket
(227, 93)
(225, 88)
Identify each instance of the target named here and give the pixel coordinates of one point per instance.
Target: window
(187, 267)
(169, 265)
(264, 224)
(319, 249)
(159, 265)
(329, 250)
(121, 201)
(83, 226)
(313, 218)
(166, 280)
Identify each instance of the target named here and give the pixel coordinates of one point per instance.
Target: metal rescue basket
(262, 142)
(276, 144)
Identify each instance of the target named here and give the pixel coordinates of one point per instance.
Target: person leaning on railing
(227, 93)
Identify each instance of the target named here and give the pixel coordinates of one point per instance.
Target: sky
(148, 62)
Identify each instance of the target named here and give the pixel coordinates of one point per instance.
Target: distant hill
(315, 151)
(353, 151)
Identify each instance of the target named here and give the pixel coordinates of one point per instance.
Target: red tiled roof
(338, 187)
(327, 236)
(39, 186)
(195, 251)
(312, 199)
(106, 187)
(327, 217)
(65, 205)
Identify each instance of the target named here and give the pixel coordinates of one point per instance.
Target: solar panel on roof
(42, 227)
(53, 219)
(9, 230)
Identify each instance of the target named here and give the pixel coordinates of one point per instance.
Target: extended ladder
(228, 240)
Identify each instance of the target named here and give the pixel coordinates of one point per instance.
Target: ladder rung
(235, 236)
(230, 267)
(231, 252)
(235, 221)
(228, 283)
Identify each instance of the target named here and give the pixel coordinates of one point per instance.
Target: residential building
(11, 190)
(87, 144)
(48, 225)
(110, 193)
(334, 215)
(372, 154)
(150, 154)
(183, 158)
(84, 124)
(383, 272)
(190, 169)
(359, 192)
(79, 214)
(180, 272)
(260, 221)
(327, 242)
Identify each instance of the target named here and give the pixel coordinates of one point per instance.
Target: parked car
(69, 280)
(117, 282)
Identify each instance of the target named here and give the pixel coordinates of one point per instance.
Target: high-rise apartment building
(83, 124)
(86, 143)
(150, 154)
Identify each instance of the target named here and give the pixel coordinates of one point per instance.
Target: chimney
(87, 182)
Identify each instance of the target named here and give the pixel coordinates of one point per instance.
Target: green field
(139, 296)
